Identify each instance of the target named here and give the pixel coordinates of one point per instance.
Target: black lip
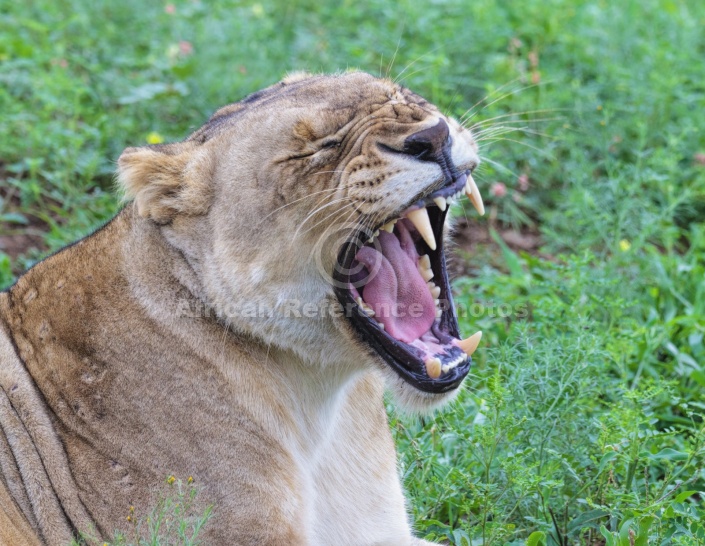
(405, 360)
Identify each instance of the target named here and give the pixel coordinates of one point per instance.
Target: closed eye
(325, 145)
(330, 144)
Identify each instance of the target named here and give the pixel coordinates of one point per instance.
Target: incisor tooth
(425, 262)
(436, 292)
(469, 345)
(389, 226)
(440, 202)
(433, 368)
(474, 195)
(421, 221)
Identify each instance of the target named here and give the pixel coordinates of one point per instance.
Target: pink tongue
(396, 290)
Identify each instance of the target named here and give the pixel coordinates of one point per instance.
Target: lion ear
(167, 179)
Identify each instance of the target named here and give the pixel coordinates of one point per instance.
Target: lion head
(312, 217)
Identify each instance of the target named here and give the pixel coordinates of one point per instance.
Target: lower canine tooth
(422, 223)
(433, 368)
(469, 345)
(474, 195)
(440, 202)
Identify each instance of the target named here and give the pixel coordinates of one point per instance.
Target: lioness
(236, 323)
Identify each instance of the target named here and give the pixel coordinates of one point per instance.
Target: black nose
(429, 144)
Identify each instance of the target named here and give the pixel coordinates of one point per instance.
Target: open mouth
(394, 288)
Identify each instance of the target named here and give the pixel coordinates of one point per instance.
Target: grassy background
(582, 423)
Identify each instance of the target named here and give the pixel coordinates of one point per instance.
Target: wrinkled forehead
(345, 96)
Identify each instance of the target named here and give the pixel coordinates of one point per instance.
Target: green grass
(583, 421)
(176, 519)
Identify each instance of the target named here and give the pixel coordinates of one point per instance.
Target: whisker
(316, 211)
(525, 88)
(394, 57)
(412, 73)
(307, 196)
(524, 130)
(499, 166)
(326, 172)
(523, 113)
(502, 129)
(510, 124)
(488, 95)
(332, 225)
(362, 223)
(397, 79)
(347, 205)
(450, 106)
(538, 150)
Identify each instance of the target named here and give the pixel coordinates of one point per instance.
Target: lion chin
(237, 323)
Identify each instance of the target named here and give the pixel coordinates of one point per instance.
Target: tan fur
(128, 356)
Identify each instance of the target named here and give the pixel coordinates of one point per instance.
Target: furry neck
(301, 369)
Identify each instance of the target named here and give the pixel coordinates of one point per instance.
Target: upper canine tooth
(421, 221)
(440, 202)
(389, 226)
(469, 345)
(474, 195)
(433, 367)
